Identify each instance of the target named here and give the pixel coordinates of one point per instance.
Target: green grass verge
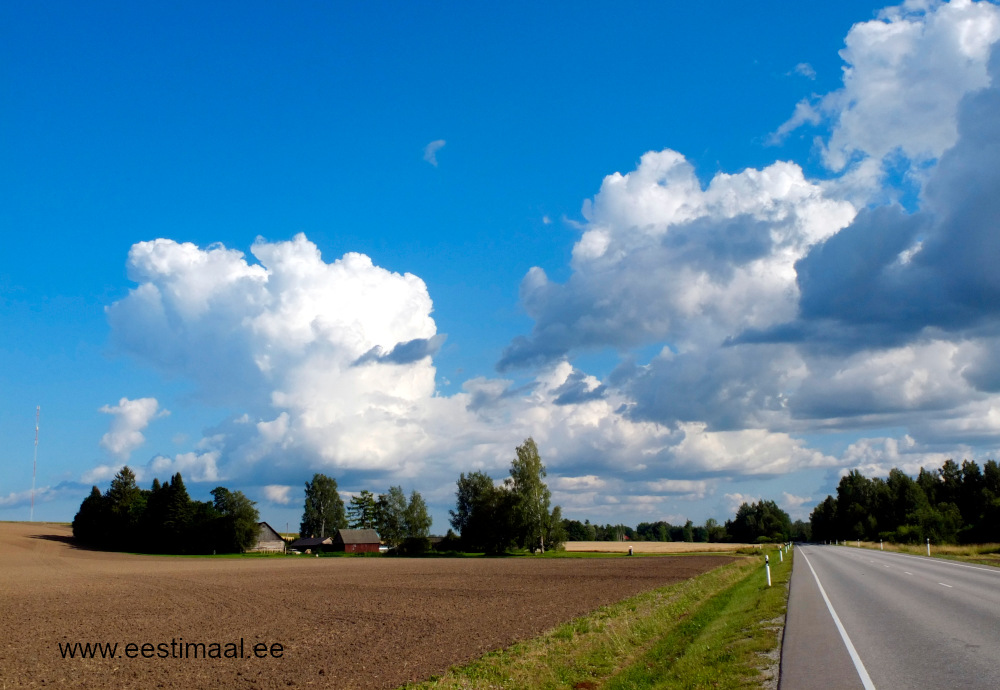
(714, 630)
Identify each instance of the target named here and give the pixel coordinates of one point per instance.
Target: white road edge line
(944, 585)
(858, 665)
(943, 561)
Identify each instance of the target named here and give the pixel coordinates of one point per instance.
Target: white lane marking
(944, 585)
(907, 572)
(862, 671)
(887, 566)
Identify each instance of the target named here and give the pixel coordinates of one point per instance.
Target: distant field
(654, 547)
(341, 622)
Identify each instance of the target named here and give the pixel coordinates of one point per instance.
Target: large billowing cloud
(661, 258)
(780, 307)
(335, 365)
(906, 72)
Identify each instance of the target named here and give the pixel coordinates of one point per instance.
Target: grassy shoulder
(983, 554)
(715, 630)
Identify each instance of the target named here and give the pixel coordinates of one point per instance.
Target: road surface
(907, 621)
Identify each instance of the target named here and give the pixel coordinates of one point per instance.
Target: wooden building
(268, 540)
(356, 540)
(312, 544)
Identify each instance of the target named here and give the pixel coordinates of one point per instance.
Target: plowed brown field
(342, 622)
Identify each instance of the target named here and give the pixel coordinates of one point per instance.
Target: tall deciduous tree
(323, 512)
(416, 518)
(392, 516)
(482, 514)
(531, 496)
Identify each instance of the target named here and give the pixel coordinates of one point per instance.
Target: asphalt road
(913, 622)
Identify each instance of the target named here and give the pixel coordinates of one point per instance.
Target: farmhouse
(268, 539)
(356, 540)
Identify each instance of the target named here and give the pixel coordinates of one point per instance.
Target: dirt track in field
(342, 622)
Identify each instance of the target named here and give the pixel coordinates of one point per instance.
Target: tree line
(402, 524)
(952, 504)
(164, 519)
(758, 522)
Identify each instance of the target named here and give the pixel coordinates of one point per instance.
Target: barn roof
(267, 533)
(357, 536)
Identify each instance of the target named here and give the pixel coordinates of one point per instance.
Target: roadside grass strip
(714, 630)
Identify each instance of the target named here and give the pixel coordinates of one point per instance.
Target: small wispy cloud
(804, 69)
(430, 151)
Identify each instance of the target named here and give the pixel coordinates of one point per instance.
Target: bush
(414, 546)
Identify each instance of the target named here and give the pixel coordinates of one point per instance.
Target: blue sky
(703, 254)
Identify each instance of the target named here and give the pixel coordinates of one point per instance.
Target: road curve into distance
(904, 622)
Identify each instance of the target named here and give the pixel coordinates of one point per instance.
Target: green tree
(761, 521)
(823, 520)
(531, 496)
(126, 504)
(362, 512)
(392, 516)
(856, 507)
(323, 512)
(416, 519)
(237, 524)
(177, 514)
(483, 514)
(91, 524)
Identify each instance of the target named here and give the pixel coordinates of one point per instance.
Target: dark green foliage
(236, 526)
(579, 531)
(164, 519)
(494, 518)
(323, 512)
(762, 521)
(362, 512)
(801, 531)
(955, 503)
(450, 542)
(92, 524)
(483, 514)
(414, 546)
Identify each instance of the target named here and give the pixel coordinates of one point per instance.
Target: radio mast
(34, 464)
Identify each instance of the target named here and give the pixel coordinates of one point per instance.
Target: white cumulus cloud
(130, 417)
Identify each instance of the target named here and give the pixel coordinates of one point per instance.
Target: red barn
(356, 540)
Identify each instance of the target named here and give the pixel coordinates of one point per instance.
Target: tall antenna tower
(34, 464)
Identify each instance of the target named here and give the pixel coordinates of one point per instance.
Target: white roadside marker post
(928, 546)
(781, 556)
(879, 544)
(767, 567)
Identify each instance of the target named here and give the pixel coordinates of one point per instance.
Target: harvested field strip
(614, 641)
